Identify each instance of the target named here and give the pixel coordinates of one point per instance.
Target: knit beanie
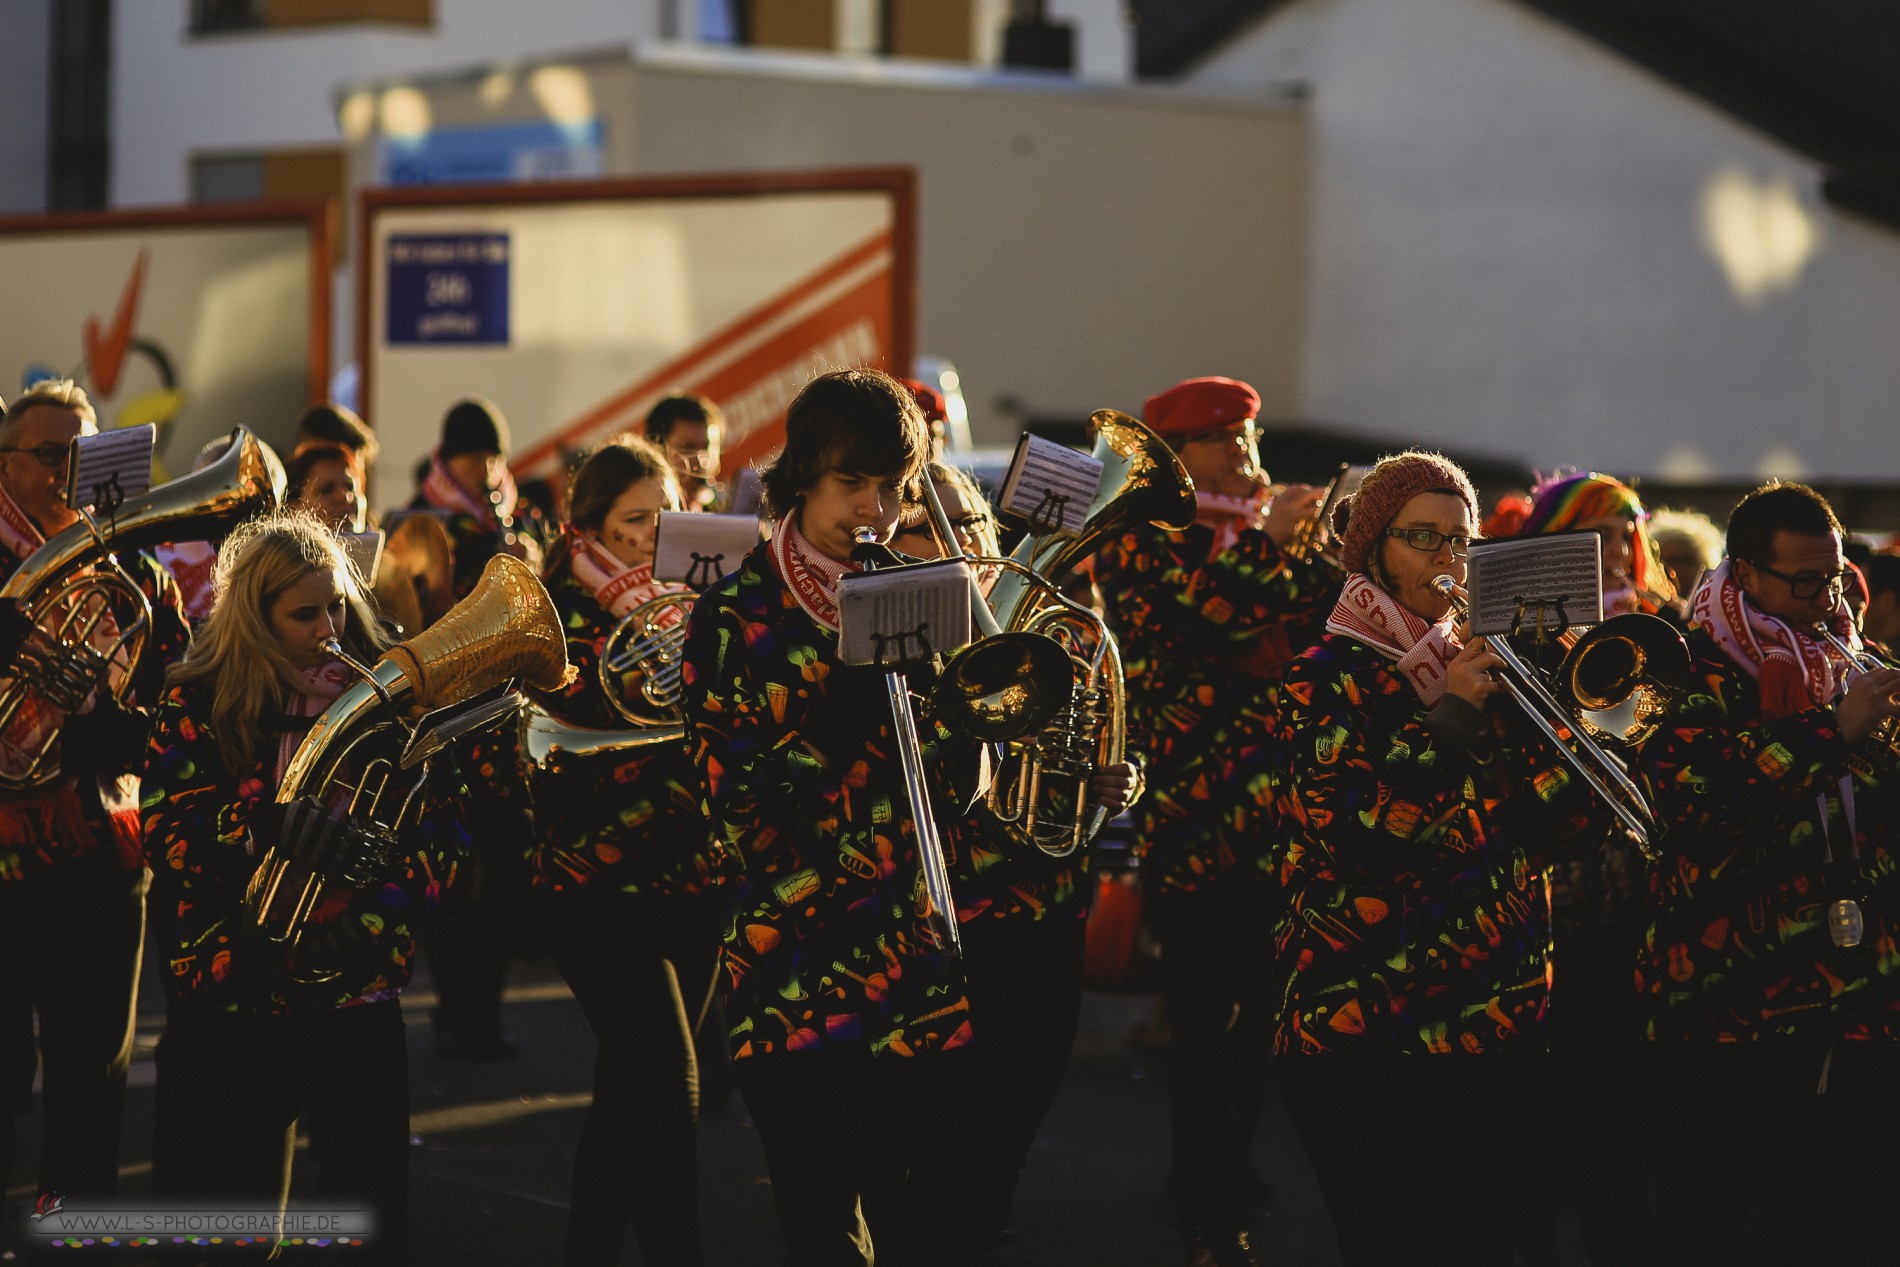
(473, 426)
(1363, 518)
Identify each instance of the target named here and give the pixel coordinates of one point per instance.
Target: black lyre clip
(705, 569)
(893, 648)
(1047, 515)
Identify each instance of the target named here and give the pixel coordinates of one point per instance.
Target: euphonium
(367, 758)
(1041, 793)
(70, 586)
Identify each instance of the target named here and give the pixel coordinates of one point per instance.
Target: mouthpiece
(1444, 585)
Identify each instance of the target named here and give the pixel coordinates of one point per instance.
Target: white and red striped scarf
(616, 587)
(812, 577)
(20, 535)
(194, 565)
(441, 490)
(1227, 516)
(1794, 669)
(316, 690)
(1374, 617)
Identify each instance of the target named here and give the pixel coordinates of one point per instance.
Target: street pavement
(492, 1145)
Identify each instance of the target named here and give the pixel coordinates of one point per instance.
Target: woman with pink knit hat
(1412, 957)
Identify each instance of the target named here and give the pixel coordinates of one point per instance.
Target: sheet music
(111, 468)
(366, 553)
(698, 549)
(1554, 568)
(1050, 485)
(904, 613)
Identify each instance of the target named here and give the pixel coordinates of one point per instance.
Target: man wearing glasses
(1770, 975)
(1207, 620)
(72, 871)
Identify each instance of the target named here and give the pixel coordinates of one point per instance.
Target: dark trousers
(1760, 1165)
(1429, 1161)
(1599, 1109)
(842, 1134)
(1216, 953)
(233, 1089)
(477, 927)
(70, 944)
(642, 970)
(1025, 983)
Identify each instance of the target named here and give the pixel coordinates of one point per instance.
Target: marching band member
(1596, 898)
(847, 1016)
(1207, 619)
(1413, 957)
(1023, 914)
(72, 877)
(322, 479)
(1634, 579)
(691, 431)
(247, 1054)
(1776, 787)
(468, 486)
(332, 426)
(630, 879)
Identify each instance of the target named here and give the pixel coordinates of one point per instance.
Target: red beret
(1200, 404)
(929, 399)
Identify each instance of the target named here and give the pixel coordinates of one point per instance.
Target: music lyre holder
(1552, 619)
(705, 570)
(901, 639)
(1048, 513)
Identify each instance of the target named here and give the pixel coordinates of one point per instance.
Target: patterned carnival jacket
(630, 822)
(824, 949)
(1417, 920)
(198, 842)
(1738, 948)
(1204, 642)
(89, 813)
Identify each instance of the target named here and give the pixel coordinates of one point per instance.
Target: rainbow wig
(1561, 503)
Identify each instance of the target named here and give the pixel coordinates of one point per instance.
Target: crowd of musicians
(1375, 881)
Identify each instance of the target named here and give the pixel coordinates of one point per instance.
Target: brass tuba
(71, 586)
(367, 759)
(1041, 793)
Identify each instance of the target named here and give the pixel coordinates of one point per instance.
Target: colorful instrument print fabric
(1738, 948)
(824, 947)
(198, 842)
(1416, 920)
(629, 821)
(1205, 638)
(95, 816)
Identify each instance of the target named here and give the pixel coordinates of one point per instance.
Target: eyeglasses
(1803, 588)
(48, 454)
(1428, 540)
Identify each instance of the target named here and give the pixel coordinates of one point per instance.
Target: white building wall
(176, 94)
(1523, 244)
(24, 105)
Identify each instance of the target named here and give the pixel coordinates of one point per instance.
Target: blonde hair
(235, 650)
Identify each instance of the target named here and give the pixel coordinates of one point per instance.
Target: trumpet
(1307, 538)
(1570, 737)
(1861, 662)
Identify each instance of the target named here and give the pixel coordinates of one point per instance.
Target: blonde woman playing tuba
(247, 1055)
(629, 881)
